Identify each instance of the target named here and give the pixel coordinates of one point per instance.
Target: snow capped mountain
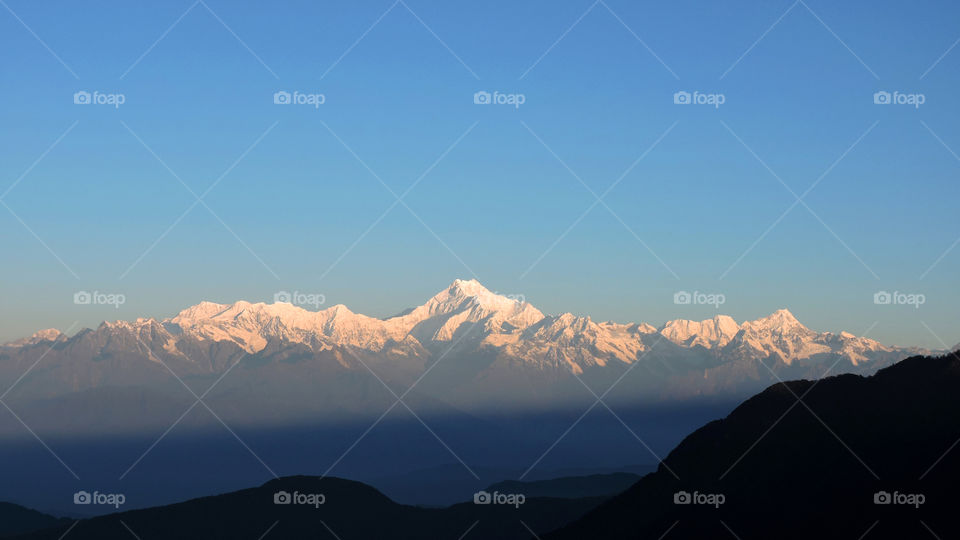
(468, 311)
(251, 326)
(496, 351)
(440, 319)
(782, 336)
(573, 343)
(463, 304)
(715, 332)
(50, 334)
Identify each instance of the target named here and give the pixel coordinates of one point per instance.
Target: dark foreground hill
(15, 519)
(860, 457)
(349, 510)
(570, 487)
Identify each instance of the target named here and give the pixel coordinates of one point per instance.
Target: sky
(582, 186)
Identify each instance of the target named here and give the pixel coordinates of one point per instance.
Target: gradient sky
(199, 88)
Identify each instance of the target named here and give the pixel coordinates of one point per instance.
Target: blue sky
(703, 210)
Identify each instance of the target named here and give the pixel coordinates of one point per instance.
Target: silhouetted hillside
(788, 472)
(15, 519)
(570, 487)
(349, 510)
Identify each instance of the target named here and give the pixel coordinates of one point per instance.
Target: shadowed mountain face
(348, 510)
(465, 349)
(818, 469)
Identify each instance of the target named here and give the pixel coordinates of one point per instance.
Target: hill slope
(349, 510)
(786, 472)
(15, 519)
(569, 487)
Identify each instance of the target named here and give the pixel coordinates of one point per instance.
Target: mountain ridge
(483, 352)
(345, 511)
(504, 322)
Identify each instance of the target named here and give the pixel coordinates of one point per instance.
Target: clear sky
(96, 197)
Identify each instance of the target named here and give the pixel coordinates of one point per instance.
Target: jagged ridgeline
(485, 352)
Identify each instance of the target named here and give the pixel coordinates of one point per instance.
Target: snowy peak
(49, 334)
(717, 331)
(447, 313)
(468, 287)
(203, 310)
(781, 335)
(780, 320)
(497, 324)
(458, 295)
(251, 325)
(460, 306)
(764, 334)
(470, 293)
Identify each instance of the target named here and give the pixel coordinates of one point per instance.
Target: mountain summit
(468, 310)
(492, 350)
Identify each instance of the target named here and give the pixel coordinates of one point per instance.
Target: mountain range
(482, 351)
